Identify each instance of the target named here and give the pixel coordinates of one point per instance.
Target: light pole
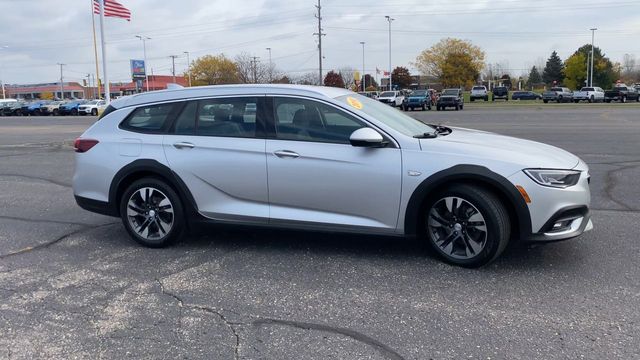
(173, 66)
(61, 83)
(188, 67)
(2, 80)
(390, 19)
(593, 31)
(363, 82)
(270, 66)
(144, 49)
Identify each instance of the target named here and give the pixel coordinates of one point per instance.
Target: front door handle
(183, 145)
(286, 154)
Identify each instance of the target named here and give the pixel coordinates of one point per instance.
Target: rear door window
(227, 117)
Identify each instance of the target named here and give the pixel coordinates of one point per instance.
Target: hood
(475, 144)
(448, 96)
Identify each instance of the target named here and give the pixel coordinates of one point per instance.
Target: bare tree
(348, 75)
(251, 70)
(629, 64)
(309, 78)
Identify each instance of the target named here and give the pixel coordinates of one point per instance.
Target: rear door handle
(286, 154)
(183, 145)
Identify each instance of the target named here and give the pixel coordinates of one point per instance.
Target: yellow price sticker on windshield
(354, 102)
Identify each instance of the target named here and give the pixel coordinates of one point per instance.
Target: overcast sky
(40, 33)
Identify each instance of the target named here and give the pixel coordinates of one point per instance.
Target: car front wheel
(152, 213)
(467, 225)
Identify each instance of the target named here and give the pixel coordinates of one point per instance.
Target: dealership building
(74, 90)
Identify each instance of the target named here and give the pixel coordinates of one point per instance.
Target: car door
(217, 147)
(316, 176)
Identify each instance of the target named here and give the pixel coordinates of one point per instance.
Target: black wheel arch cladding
(473, 174)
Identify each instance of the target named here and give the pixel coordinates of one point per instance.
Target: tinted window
(450, 92)
(305, 120)
(186, 121)
(478, 88)
(152, 118)
(229, 117)
(419, 93)
(388, 94)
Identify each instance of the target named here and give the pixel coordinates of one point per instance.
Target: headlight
(554, 178)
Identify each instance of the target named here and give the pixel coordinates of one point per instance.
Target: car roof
(222, 90)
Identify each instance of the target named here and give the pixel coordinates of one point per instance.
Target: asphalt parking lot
(72, 284)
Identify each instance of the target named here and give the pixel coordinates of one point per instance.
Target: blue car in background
(33, 108)
(70, 108)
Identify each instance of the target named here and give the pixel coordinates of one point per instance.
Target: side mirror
(367, 137)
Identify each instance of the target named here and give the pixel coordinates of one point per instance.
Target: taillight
(84, 145)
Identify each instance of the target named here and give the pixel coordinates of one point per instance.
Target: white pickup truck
(589, 94)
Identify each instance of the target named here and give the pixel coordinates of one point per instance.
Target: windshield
(419, 93)
(450, 92)
(586, 89)
(387, 115)
(92, 103)
(388, 94)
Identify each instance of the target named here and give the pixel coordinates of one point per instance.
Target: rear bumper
(96, 206)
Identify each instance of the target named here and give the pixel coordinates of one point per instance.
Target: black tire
(486, 98)
(177, 228)
(545, 101)
(577, 101)
(437, 108)
(607, 101)
(559, 99)
(623, 99)
(491, 210)
(461, 106)
(638, 98)
(472, 99)
(55, 112)
(457, 107)
(424, 107)
(94, 112)
(74, 112)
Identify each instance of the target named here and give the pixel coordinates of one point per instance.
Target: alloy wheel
(457, 227)
(150, 213)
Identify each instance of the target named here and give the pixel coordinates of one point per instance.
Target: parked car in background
(92, 107)
(418, 99)
(12, 108)
(525, 95)
(589, 94)
(450, 98)
(51, 108)
(479, 92)
(500, 92)
(622, 93)
(558, 94)
(33, 108)
(325, 158)
(393, 98)
(71, 107)
(370, 94)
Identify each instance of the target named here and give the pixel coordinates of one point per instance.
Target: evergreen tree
(534, 77)
(554, 69)
(605, 72)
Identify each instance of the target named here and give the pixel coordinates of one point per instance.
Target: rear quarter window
(151, 119)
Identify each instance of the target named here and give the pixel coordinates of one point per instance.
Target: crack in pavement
(385, 350)
(17, 218)
(32, 177)
(229, 324)
(54, 241)
(610, 183)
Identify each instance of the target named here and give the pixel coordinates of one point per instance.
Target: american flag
(112, 8)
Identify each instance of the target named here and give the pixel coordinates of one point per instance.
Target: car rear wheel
(467, 225)
(623, 99)
(152, 213)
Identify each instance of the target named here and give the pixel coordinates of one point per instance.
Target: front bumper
(556, 214)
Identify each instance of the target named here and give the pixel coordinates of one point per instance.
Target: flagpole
(95, 45)
(107, 94)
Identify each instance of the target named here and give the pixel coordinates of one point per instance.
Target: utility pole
(95, 96)
(320, 35)
(61, 82)
(88, 84)
(144, 50)
(593, 31)
(188, 66)
(270, 66)
(173, 66)
(254, 63)
(390, 19)
(2, 80)
(362, 78)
